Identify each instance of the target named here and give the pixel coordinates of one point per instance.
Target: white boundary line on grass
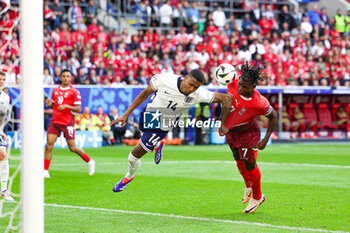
(214, 162)
(192, 218)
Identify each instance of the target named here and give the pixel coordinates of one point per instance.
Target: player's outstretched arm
(226, 102)
(139, 100)
(270, 127)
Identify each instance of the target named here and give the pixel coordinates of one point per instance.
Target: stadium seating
(325, 117)
(309, 113)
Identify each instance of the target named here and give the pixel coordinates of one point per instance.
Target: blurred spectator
(130, 78)
(313, 15)
(117, 129)
(342, 119)
(269, 13)
(59, 13)
(180, 17)
(87, 121)
(306, 26)
(323, 18)
(286, 17)
(48, 79)
(193, 13)
(165, 13)
(74, 13)
(247, 24)
(299, 122)
(255, 13)
(286, 123)
(219, 17)
(340, 23)
(103, 124)
(90, 12)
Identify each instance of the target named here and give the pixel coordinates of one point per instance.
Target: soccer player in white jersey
(173, 96)
(4, 163)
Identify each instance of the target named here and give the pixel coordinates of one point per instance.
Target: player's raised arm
(272, 116)
(139, 100)
(226, 102)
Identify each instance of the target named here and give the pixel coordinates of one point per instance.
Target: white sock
(4, 173)
(134, 164)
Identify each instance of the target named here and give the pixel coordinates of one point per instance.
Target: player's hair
(251, 73)
(2, 73)
(66, 70)
(198, 75)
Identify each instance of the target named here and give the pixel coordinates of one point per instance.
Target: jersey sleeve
(155, 82)
(76, 97)
(265, 107)
(205, 96)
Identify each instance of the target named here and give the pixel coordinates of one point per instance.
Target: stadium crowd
(305, 47)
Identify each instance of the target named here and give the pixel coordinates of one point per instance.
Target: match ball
(225, 73)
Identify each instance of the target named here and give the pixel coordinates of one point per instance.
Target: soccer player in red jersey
(244, 133)
(65, 102)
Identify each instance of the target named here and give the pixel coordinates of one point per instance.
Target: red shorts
(246, 142)
(68, 130)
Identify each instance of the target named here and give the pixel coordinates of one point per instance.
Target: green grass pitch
(197, 189)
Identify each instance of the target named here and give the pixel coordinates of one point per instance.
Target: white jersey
(4, 102)
(170, 102)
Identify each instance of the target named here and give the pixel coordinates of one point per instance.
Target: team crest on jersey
(65, 95)
(242, 111)
(56, 92)
(188, 99)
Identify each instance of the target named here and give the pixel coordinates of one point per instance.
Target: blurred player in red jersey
(244, 133)
(66, 101)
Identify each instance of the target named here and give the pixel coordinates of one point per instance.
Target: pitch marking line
(192, 218)
(215, 162)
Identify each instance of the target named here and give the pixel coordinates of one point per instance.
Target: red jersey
(244, 110)
(67, 96)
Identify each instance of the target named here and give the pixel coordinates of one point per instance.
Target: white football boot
(6, 196)
(254, 204)
(46, 174)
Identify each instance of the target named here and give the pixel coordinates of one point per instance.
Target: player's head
(192, 81)
(66, 77)
(2, 79)
(249, 79)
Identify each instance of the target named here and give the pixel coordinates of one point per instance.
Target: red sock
(255, 177)
(46, 164)
(244, 172)
(85, 157)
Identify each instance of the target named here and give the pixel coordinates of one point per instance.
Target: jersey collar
(178, 84)
(245, 98)
(64, 88)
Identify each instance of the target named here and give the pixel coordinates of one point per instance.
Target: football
(225, 73)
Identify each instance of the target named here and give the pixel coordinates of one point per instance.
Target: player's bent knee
(250, 165)
(138, 151)
(73, 148)
(3, 155)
